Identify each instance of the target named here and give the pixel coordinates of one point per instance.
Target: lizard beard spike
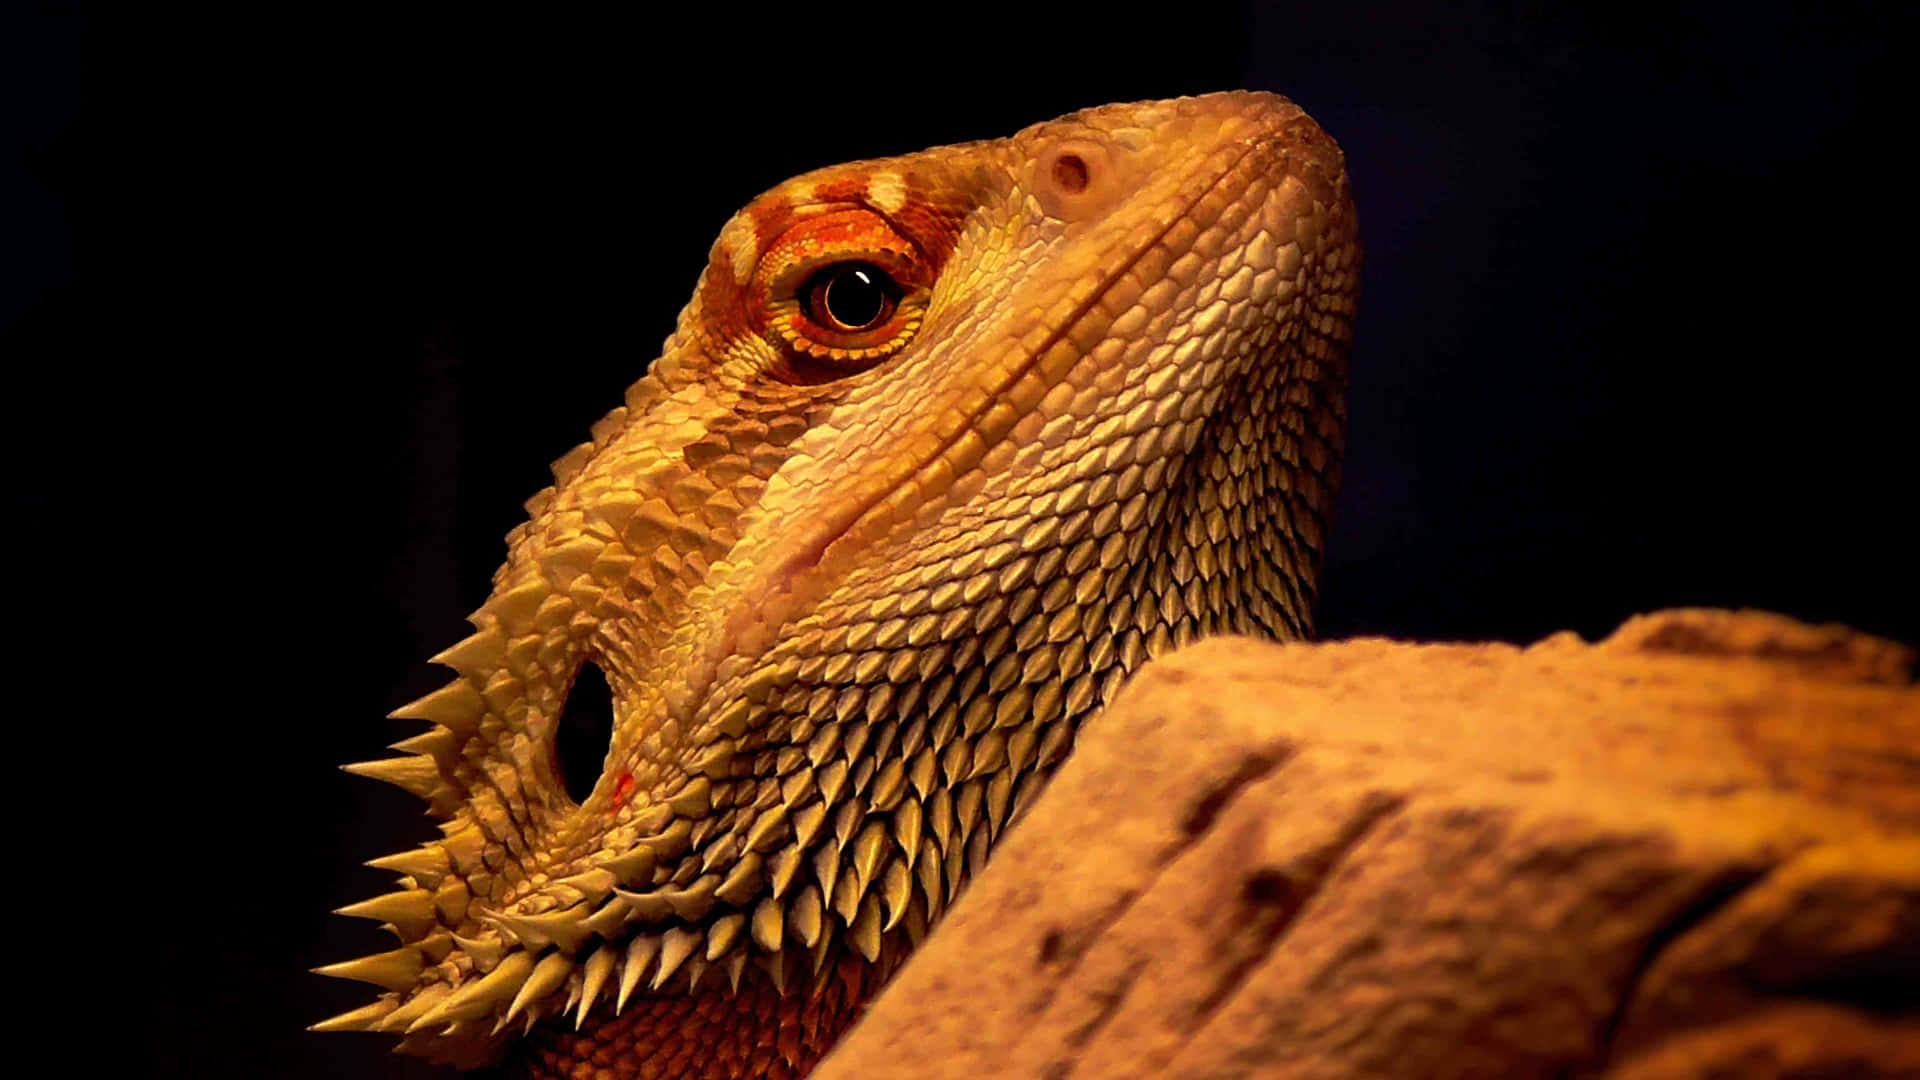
(943, 447)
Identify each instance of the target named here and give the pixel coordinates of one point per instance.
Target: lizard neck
(755, 1033)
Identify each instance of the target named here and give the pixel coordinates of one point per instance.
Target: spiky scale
(806, 917)
(846, 818)
(696, 969)
(832, 778)
(640, 956)
(482, 650)
(516, 609)
(647, 907)
(673, 839)
(807, 822)
(564, 929)
(456, 706)
(954, 761)
(414, 1008)
(715, 762)
(484, 953)
(966, 806)
(744, 882)
(769, 924)
(426, 865)
(797, 787)
(693, 902)
(676, 946)
(410, 912)
(634, 867)
(847, 890)
(999, 791)
(592, 884)
(416, 774)
(733, 722)
(896, 890)
(864, 931)
(724, 934)
(853, 741)
(695, 800)
(978, 846)
(1054, 744)
(594, 975)
(363, 1018)
(777, 966)
(989, 754)
(735, 965)
(608, 920)
(888, 786)
(479, 996)
(546, 977)
(437, 743)
(868, 849)
(907, 820)
(785, 864)
(954, 865)
(394, 970)
(651, 821)
(927, 871)
(717, 841)
(939, 814)
(573, 558)
(820, 951)
(768, 829)
(921, 771)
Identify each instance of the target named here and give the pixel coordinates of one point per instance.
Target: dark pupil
(855, 297)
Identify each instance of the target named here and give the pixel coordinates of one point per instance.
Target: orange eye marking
(838, 290)
(846, 234)
(845, 189)
(882, 235)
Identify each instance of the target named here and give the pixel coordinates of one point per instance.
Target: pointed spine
(594, 976)
(477, 998)
(394, 970)
(416, 774)
(410, 912)
(360, 1019)
(640, 954)
(456, 706)
(676, 945)
(547, 975)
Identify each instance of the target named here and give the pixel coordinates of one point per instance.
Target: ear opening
(585, 732)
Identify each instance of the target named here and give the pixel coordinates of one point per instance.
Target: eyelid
(851, 234)
(797, 275)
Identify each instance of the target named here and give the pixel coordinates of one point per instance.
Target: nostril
(585, 731)
(1070, 173)
(1077, 179)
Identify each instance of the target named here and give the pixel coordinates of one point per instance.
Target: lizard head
(943, 447)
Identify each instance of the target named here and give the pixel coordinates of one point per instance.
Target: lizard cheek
(583, 734)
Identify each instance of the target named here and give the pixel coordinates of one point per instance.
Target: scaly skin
(854, 588)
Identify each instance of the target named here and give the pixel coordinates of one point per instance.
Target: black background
(299, 307)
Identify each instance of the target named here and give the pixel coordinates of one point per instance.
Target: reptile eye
(836, 294)
(850, 297)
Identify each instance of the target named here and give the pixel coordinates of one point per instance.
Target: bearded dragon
(944, 447)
